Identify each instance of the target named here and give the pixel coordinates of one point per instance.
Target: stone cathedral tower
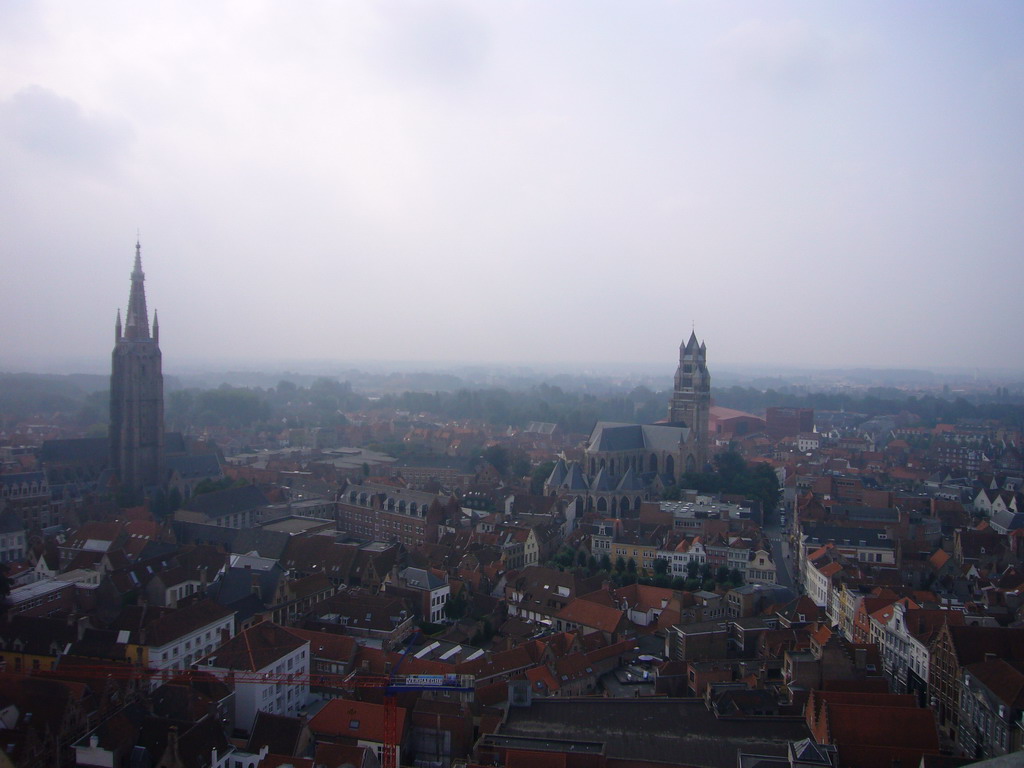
(691, 401)
(137, 393)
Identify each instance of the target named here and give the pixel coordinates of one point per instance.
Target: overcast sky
(556, 182)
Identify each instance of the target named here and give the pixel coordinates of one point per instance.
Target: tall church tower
(137, 392)
(691, 402)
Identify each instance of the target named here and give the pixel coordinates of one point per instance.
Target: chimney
(254, 584)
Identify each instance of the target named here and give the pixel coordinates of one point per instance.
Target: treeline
(881, 401)
(324, 402)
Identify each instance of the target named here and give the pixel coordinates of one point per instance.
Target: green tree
(620, 564)
(541, 473)
(606, 562)
(456, 606)
(692, 567)
(660, 566)
(497, 457)
(631, 565)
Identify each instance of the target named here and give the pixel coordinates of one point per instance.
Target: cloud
(783, 57)
(57, 128)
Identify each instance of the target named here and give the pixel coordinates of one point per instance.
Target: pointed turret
(136, 394)
(156, 328)
(136, 327)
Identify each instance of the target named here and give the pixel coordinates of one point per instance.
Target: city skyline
(805, 186)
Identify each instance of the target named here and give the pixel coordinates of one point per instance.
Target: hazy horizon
(807, 185)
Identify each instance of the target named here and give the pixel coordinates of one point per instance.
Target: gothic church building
(627, 464)
(137, 393)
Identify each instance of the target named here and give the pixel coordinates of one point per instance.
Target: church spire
(137, 319)
(117, 326)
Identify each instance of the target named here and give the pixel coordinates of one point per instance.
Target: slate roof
(196, 466)
(631, 482)
(609, 436)
(602, 481)
(558, 473)
(237, 540)
(574, 478)
(88, 450)
(228, 502)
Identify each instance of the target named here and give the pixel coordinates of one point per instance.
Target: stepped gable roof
(574, 478)
(282, 735)
(924, 623)
(256, 648)
(228, 502)
(558, 473)
(184, 620)
(355, 720)
(631, 482)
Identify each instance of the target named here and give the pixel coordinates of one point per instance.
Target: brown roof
(882, 726)
(256, 648)
(350, 719)
(593, 615)
(184, 620)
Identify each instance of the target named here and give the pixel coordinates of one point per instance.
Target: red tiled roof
(593, 615)
(350, 719)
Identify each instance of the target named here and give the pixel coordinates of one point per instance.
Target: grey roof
(1006, 520)
(194, 466)
(11, 522)
(872, 537)
(86, 450)
(237, 540)
(609, 436)
(574, 479)
(228, 501)
(631, 482)
(676, 731)
(419, 578)
(557, 473)
(235, 586)
(602, 481)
